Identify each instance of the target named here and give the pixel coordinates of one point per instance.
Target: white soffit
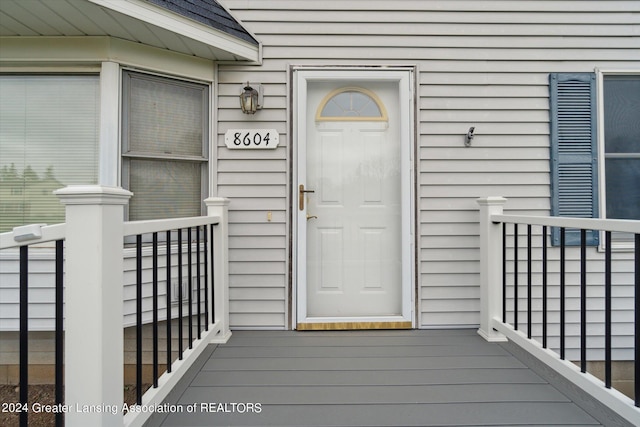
(177, 24)
(134, 20)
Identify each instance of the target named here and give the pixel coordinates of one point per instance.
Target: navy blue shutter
(574, 151)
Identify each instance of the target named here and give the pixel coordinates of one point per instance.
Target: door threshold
(351, 326)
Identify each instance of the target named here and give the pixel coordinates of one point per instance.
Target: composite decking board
(371, 378)
(360, 351)
(354, 340)
(468, 414)
(367, 378)
(378, 333)
(354, 364)
(377, 395)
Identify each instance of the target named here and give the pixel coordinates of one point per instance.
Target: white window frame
(622, 246)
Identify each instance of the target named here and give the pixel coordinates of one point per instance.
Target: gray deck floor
(367, 378)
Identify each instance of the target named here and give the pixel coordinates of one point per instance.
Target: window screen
(622, 146)
(164, 146)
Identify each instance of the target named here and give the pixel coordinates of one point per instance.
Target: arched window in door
(351, 104)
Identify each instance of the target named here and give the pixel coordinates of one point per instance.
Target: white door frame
(404, 76)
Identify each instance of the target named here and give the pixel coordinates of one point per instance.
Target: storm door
(351, 205)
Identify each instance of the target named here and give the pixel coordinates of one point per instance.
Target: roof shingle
(208, 12)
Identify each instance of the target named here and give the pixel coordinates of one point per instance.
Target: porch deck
(372, 378)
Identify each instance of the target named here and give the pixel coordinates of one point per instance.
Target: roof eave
(154, 15)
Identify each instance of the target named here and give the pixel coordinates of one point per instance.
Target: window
(165, 135)
(620, 144)
(621, 104)
(351, 103)
(48, 140)
(579, 175)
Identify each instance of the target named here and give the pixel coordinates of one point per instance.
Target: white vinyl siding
(41, 290)
(622, 297)
(482, 64)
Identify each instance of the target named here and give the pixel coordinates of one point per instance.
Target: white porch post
(93, 304)
(219, 206)
(490, 267)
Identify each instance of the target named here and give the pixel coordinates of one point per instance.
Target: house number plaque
(247, 139)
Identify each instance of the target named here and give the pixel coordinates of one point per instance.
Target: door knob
(311, 217)
(302, 192)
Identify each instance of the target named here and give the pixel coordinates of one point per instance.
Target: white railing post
(93, 305)
(219, 206)
(490, 267)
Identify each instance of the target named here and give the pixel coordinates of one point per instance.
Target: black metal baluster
(59, 386)
(637, 321)
(544, 286)
(168, 286)
(213, 277)
(607, 310)
(515, 276)
(206, 279)
(180, 326)
(24, 335)
(155, 309)
(529, 286)
(198, 282)
(562, 290)
(583, 300)
(190, 287)
(504, 272)
(139, 319)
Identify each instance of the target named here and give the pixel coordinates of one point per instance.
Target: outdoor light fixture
(251, 99)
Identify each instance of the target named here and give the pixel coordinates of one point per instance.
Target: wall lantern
(251, 98)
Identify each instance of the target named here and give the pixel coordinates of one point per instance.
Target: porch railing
(89, 246)
(517, 284)
(21, 239)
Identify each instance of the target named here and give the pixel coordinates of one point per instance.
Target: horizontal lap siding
(257, 184)
(42, 289)
(622, 293)
(509, 157)
(482, 64)
(41, 281)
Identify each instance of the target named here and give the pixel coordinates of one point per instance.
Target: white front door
(353, 200)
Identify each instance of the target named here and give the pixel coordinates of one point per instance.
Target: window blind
(48, 140)
(164, 146)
